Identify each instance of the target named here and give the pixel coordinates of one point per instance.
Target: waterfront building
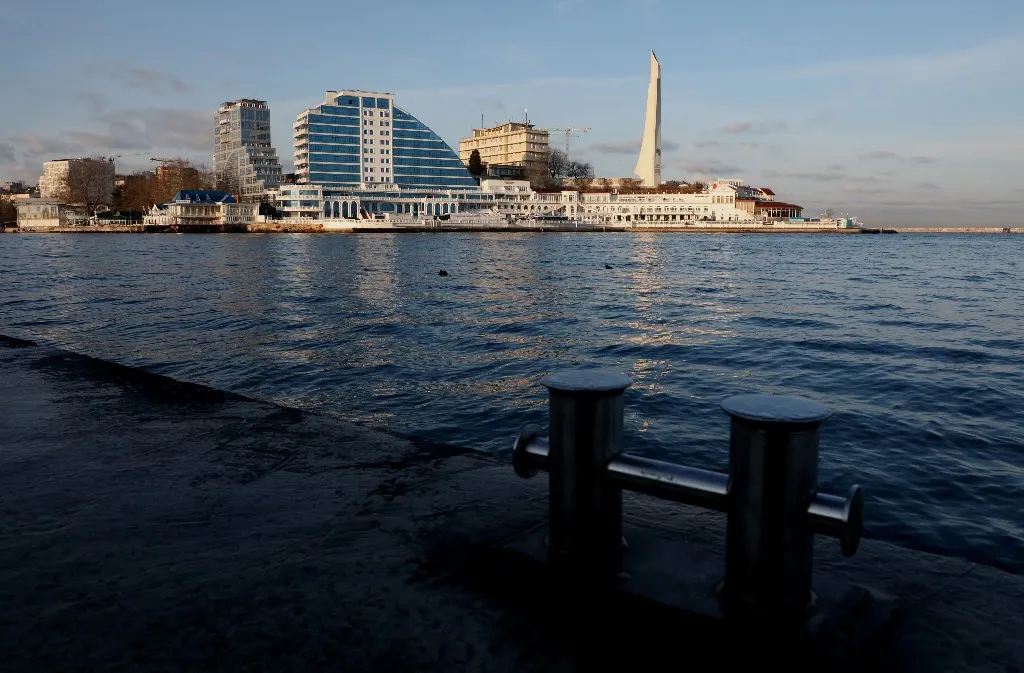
(202, 208)
(82, 174)
(322, 202)
(648, 164)
(244, 159)
(43, 214)
(509, 144)
(361, 139)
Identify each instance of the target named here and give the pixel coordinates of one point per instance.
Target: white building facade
(100, 179)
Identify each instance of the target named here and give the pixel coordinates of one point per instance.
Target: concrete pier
(152, 525)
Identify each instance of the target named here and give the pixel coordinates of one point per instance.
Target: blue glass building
(360, 139)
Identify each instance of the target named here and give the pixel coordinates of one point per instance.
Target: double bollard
(770, 496)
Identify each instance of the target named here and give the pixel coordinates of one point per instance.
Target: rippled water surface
(916, 342)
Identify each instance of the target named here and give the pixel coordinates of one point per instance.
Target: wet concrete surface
(147, 524)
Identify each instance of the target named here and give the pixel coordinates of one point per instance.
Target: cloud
(926, 185)
(33, 146)
(835, 167)
(146, 79)
(923, 67)
(629, 147)
(886, 155)
(158, 127)
(7, 154)
(94, 102)
(122, 130)
(703, 144)
(711, 167)
(827, 176)
(491, 104)
(880, 155)
(618, 147)
(753, 127)
(866, 185)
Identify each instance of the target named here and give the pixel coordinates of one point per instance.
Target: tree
(829, 213)
(89, 182)
(476, 167)
(579, 171)
(558, 164)
(8, 212)
(606, 185)
(628, 184)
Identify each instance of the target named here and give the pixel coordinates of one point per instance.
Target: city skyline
(891, 113)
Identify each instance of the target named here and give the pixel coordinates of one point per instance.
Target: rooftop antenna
(481, 120)
(526, 116)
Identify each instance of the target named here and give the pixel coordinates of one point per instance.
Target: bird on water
(607, 266)
(442, 272)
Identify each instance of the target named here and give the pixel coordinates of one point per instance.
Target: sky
(901, 112)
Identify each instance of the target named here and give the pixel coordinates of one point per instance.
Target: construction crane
(129, 154)
(164, 160)
(568, 130)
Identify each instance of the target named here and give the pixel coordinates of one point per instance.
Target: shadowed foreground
(154, 525)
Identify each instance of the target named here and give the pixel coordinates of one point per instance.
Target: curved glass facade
(358, 138)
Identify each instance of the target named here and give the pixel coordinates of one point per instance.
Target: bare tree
(89, 182)
(829, 214)
(558, 164)
(606, 185)
(628, 184)
(579, 171)
(8, 212)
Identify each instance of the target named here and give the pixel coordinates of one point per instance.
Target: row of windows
(439, 183)
(382, 103)
(417, 135)
(332, 148)
(440, 172)
(333, 158)
(335, 178)
(338, 111)
(426, 153)
(328, 119)
(439, 163)
(333, 130)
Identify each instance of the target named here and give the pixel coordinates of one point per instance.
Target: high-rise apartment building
(509, 144)
(357, 139)
(244, 161)
(81, 179)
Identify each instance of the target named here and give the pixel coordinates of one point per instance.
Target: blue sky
(899, 111)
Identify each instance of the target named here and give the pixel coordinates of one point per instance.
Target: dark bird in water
(442, 272)
(607, 266)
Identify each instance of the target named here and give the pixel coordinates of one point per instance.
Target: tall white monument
(648, 166)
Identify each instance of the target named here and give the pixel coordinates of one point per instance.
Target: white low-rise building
(46, 214)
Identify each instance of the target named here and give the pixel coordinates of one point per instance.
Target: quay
(151, 524)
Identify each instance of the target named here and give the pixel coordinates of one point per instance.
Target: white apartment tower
(648, 165)
(244, 161)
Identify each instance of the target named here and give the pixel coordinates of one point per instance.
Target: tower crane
(568, 130)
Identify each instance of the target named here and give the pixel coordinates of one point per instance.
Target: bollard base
(665, 575)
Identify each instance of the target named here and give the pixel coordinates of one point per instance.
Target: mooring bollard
(770, 496)
(585, 433)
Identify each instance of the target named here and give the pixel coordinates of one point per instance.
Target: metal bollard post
(773, 468)
(584, 434)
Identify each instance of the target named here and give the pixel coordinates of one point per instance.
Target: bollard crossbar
(770, 496)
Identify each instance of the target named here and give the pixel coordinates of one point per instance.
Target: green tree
(476, 167)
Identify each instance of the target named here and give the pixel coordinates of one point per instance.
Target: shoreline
(295, 228)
